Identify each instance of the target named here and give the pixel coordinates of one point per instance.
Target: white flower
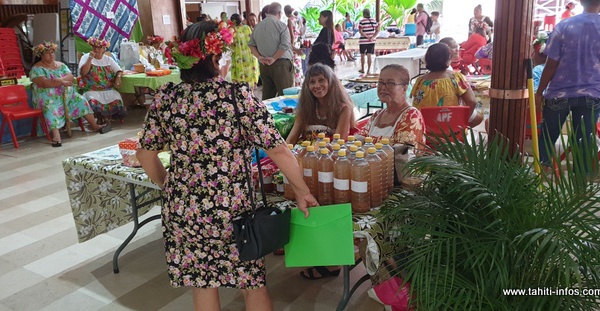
(366, 222)
(542, 47)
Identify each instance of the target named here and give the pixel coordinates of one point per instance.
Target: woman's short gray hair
(401, 70)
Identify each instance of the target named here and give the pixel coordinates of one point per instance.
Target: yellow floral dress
(244, 66)
(439, 92)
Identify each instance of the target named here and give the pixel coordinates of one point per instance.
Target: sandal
(56, 143)
(105, 129)
(361, 71)
(323, 272)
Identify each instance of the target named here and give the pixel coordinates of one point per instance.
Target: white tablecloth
(409, 59)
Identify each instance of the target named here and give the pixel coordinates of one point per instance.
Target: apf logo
(444, 117)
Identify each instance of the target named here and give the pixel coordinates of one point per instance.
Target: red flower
(191, 48)
(212, 44)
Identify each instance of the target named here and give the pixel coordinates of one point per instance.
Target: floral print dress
(50, 100)
(439, 92)
(205, 188)
(98, 87)
(244, 66)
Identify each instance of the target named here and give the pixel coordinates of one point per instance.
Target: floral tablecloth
(97, 184)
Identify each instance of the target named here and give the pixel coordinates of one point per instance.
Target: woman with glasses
(398, 121)
(443, 87)
(324, 106)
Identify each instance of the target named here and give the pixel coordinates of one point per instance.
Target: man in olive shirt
(270, 43)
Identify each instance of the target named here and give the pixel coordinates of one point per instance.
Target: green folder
(325, 238)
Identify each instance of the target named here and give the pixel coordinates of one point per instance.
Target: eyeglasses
(389, 84)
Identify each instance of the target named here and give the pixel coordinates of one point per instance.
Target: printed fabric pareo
(409, 128)
(439, 92)
(99, 90)
(50, 100)
(244, 66)
(206, 187)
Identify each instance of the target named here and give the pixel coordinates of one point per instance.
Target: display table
(137, 83)
(411, 59)
(104, 194)
(382, 45)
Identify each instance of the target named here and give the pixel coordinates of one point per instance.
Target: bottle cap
(368, 139)
(342, 153)
(321, 135)
(378, 145)
(385, 141)
(290, 146)
(335, 147)
(322, 144)
(351, 138)
(372, 150)
(360, 154)
(327, 140)
(353, 148)
(305, 143)
(310, 148)
(358, 143)
(324, 151)
(336, 136)
(340, 142)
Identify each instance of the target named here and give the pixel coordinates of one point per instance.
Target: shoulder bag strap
(246, 165)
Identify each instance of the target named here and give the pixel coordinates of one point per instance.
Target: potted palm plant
(483, 224)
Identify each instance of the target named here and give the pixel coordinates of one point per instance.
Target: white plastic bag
(129, 54)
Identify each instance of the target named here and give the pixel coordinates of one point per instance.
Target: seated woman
(476, 41)
(324, 106)
(398, 121)
(443, 87)
(51, 87)
(340, 44)
(454, 51)
(100, 75)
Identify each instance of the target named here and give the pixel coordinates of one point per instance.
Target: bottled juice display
(390, 152)
(327, 143)
(368, 144)
(336, 137)
(309, 165)
(375, 172)
(334, 151)
(288, 191)
(360, 178)
(349, 141)
(385, 174)
(325, 177)
(322, 144)
(342, 168)
(358, 144)
(341, 143)
(352, 155)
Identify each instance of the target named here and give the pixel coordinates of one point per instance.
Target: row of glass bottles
(344, 173)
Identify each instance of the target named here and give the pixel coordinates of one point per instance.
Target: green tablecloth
(129, 82)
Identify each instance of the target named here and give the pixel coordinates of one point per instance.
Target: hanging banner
(112, 20)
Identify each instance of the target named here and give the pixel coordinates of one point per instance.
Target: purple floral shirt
(575, 44)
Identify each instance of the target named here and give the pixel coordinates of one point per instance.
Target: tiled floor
(43, 267)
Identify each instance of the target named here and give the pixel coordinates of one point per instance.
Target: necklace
(319, 117)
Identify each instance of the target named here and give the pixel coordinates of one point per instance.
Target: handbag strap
(246, 165)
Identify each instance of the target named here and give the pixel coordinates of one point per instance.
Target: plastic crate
(14, 73)
(10, 56)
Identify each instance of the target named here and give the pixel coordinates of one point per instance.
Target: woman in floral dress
(100, 76)
(244, 66)
(206, 189)
(51, 81)
(295, 35)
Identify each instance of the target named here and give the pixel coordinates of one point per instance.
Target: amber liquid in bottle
(375, 172)
(288, 191)
(385, 174)
(341, 178)
(309, 165)
(325, 177)
(391, 169)
(359, 184)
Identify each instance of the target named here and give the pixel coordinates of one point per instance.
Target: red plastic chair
(444, 120)
(14, 106)
(549, 22)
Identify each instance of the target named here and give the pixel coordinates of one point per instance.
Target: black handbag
(264, 229)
